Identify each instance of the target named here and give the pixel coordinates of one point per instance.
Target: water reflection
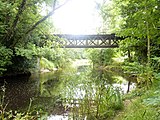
(58, 117)
(17, 92)
(76, 92)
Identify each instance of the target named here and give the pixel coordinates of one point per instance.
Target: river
(79, 92)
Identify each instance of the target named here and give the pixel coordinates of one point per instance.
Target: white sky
(77, 17)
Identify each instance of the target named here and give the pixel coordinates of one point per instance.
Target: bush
(5, 58)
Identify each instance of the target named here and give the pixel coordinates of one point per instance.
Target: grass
(141, 104)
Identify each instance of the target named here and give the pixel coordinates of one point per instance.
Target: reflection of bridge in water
(88, 41)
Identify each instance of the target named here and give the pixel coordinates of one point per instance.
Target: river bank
(141, 105)
(52, 91)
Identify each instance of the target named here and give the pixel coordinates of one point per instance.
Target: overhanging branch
(41, 20)
(45, 17)
(12, 31)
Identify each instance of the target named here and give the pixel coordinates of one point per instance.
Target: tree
(22, 26)
(140, 26)
(111, 18)
(101, 57)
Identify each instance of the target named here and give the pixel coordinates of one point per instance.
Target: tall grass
(143, 105)
(91, 98)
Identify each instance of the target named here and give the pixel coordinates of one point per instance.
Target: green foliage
(5, 58)
(152, 100)
(141, 72)
(143, 105)
(129, 44)
(111, 19)
(18, 33)
(110, 100)
(156, 63)
(45, 64)
(94, 55)
(18, 116)
(28, 53)
(101, 57)
(140, 27)
(152, 97)
(157, 76)
(137, 111)
(133, 68)
(90, 95)
(141, 20)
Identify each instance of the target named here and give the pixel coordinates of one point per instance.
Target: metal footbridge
(88, 41)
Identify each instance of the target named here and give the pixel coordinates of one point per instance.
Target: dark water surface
(48, 91)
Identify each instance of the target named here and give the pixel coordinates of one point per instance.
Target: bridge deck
(87, 41)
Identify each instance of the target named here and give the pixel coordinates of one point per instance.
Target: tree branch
(21, 8)
(11, 32)
(47, 16)
(40, 21)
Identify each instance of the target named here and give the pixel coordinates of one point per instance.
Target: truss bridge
(88, 41)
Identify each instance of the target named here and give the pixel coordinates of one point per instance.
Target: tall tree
(22, 25)
(141, 22)
(141, 27)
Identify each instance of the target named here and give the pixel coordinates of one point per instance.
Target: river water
(63, 92)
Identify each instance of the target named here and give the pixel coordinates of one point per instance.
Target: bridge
(88, 41)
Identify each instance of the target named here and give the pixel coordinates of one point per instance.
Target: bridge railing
(87, 41)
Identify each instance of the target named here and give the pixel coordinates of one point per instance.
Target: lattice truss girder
(82, 41)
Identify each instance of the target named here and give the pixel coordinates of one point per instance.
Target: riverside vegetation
(27, 45)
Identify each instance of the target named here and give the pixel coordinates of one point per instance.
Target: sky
(77, 17)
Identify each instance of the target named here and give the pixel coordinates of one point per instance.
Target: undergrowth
(144, 104)
(6, 114)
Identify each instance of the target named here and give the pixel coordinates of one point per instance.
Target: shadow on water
(76, 92)
(17, 92)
